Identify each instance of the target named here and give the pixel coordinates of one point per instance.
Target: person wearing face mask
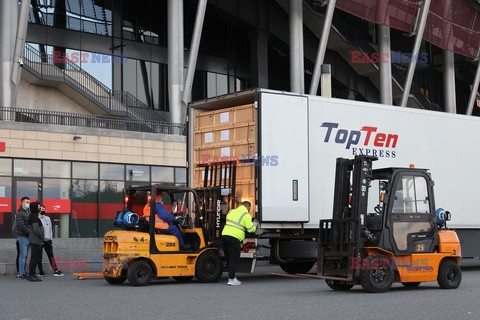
(47, 246)
(22, 232)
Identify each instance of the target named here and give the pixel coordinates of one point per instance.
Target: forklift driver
(162, 218)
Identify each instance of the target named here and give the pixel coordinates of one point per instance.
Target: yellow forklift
(138, 252)
(385, 229)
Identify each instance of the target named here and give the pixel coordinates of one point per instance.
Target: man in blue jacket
(166, 217)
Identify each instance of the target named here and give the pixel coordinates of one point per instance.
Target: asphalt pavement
(262, 295)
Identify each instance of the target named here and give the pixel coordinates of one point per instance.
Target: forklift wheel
(183, 279)
(378, 276)
(338, 285)
(139, 273)
(208, 267)
(411, 284)
(115, 280)
(449, 275)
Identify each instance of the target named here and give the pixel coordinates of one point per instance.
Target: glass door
(26, 187)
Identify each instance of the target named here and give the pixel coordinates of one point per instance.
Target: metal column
(473, 94)
(8, 31)
(416, 49)
(322, 47)
(449, 81)
(297, 82)
(19, 45)
(192, 58)
(385, 68)
(175, 58)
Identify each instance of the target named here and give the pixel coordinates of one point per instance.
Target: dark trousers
(49, 250)
(36, 256)
(231, 248)
(18, 253)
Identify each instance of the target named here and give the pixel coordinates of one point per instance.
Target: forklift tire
(209, 267)
(411, 284)
(338, 285)
(183, 279)
(139, 273)
(115, 280)
(297, 267)
(378, 279)
(449, 275)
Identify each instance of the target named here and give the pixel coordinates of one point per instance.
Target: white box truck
(285, 148)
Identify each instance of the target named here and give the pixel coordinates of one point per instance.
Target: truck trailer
(278, 150)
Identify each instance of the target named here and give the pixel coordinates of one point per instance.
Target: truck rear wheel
(208, 267)
(115, 280)
(296, 267)
(338, 285)
(139, 273)
(449, 275)
(378, 275)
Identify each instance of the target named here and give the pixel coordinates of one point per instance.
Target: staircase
(84, 88)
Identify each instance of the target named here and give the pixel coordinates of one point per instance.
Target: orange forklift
(385, 229)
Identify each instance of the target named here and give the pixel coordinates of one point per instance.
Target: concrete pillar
(117, 44)
(259, 58)
(8, 32)
(385, 69)
(449, 81)
(175, 58)
(297, 82)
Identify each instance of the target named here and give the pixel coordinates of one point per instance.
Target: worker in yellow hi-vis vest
(238, 221)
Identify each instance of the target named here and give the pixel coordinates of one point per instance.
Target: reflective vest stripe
(241, 217)
(242, 228)
(159, 223)
(235, 223)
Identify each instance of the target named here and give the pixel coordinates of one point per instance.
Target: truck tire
(338, 285)
(183, 279)
(297, 267)
(449, 275)
(209, 267)
(139, 273)
(115, 280)
(378, 278)
(411, 284)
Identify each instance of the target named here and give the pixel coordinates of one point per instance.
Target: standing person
(238, 221)
(22, 232)
(36, 238)
(15, 235)
(48, 245)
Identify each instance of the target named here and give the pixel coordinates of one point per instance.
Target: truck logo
(363, 141)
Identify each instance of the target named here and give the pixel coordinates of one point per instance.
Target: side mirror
(174, 208)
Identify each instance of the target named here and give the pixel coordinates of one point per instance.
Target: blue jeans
(173, 230)
(22, 259)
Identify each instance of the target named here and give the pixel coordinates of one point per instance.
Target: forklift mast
(340, 237)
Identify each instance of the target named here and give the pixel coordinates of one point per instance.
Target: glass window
(138, 173)
(411, 195)
(180, 176)
(84, 222)
(57, 169)
(111, 201)
(85, 170)
(5, 167)
(162, 174)
(56, 189)
(27, 168)
(112, 171)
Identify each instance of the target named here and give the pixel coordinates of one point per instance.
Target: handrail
(89, 121)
